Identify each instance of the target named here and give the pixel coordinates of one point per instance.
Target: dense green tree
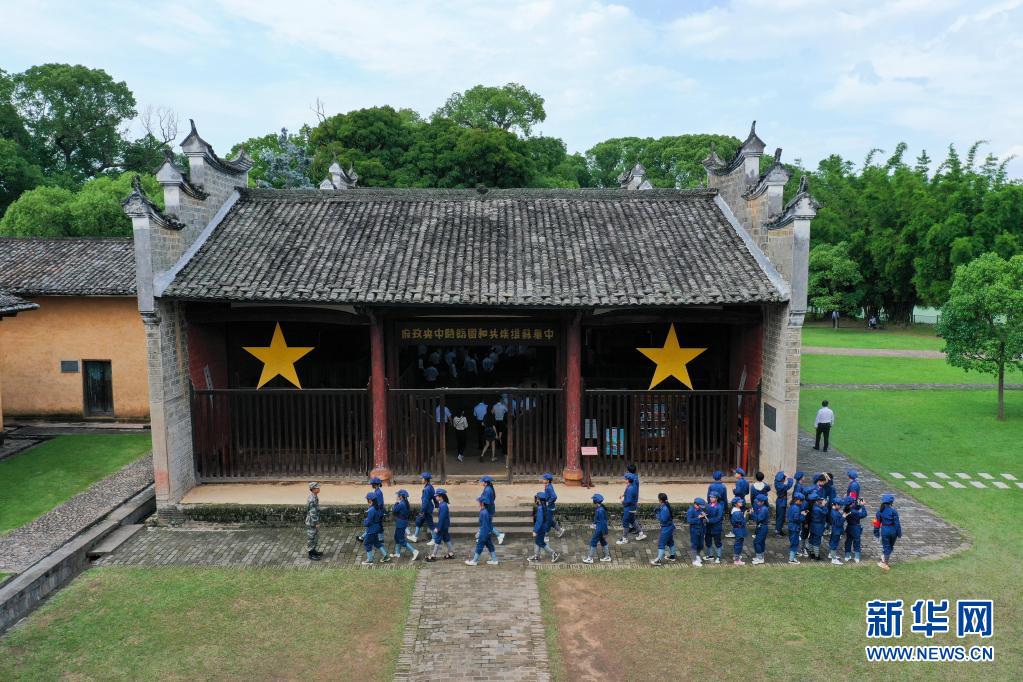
(835, 281)
(982, 320)
(509, 107)
(373, 141)
(672, 161)
(17, 173)
(93, 211)
(74, 116)
(285, 163)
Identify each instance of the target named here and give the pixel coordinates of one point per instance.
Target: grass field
(781, 620)
(913, 337)
(200, 623)
(37, 480)
(854, 369)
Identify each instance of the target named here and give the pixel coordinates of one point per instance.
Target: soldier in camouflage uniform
(312, 521)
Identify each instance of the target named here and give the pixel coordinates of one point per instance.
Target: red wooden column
(573, 473)
(378, 398)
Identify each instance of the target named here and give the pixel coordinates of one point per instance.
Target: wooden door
(98, 388)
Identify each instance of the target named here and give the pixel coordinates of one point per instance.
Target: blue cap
(375, 481)
(548, 477)
(717, 475)
(714, 495)
(779, 477)
(700, 501)
(846, 501)
(799, 475)
(440, 491)
(402, 493)
(370, 496)
(740, 470)
(798, 496)
(819, 477)
(852, 473)
(737, 500)
(888, 498)
(597, 497)
(426, 474)
(486, 478)
(760, 498)
(629, 476)
(812, 496)
(541, 495)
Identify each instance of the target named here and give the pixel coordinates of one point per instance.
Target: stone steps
(114, 540)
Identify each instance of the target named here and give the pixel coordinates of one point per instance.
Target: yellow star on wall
(278, 359)
(671, 360)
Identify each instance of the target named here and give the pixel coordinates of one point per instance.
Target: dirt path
(875, 352)
(917, 387)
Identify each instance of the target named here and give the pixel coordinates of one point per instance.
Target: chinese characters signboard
(477, 333)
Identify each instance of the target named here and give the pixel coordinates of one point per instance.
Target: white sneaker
(622, 541)
(415, 554)
(708, 558)
(431, 543)
(655, 562)
(856, 561)
(641, 536)
(697, 562)
(587, 560)
(605, 559)
(555, 557)
(461, 459)
(717, 560)
(492, 562)
(836, 561)
(471, 562)
(794, 561)
(673, 557)
(500, 538)
(366, 562)
(395, 556)
(533, 559)
(730, 535)
(757, 561)
(412, 538)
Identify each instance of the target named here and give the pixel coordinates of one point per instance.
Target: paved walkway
(875, 352)
(449, 636)
(26, 545)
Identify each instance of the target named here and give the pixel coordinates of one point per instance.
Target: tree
(835, 281)
(670, 161)
(160, 130)
(287, 166)
(982, 321)
(508, 107)
(93, 211)
(17, 173)
(373, 141)
(74, 116)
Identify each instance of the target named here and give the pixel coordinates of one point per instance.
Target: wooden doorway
(98, 388)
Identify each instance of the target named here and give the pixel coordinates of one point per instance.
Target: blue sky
(819, 76)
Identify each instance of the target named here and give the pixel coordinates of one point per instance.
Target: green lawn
(37, 480)
(786, 619)
(854, 369)
(913, 337)
(205, 623)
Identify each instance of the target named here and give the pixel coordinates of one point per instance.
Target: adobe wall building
(296, 334)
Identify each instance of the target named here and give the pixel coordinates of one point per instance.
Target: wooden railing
(671, 433)
(279, 434)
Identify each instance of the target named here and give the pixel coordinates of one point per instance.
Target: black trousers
(479, 433)
(824, 429)
(460, 438)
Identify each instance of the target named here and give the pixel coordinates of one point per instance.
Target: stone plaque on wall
(770, 417)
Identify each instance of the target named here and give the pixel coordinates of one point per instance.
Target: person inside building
(490, 437)
(500, 412)
(461, 426)
(600, 529)
(480, 414)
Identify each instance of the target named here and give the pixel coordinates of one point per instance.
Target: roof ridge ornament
(138, 205)
(338, 177)
(635, 178)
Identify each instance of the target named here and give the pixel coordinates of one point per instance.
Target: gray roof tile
(11, 304)
(67, 267)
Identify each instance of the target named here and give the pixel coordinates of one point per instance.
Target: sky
(818, 76)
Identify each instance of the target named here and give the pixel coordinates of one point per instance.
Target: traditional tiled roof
(462, 247)
(67, 267)
(11, 304)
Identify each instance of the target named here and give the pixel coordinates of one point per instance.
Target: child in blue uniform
(782, 485)
(378, 498)
(837, 519)
(442, 533)
(401, 511)
(740, 490)
(717, 487)
(888, 528)
(600, 528)
(818, 521)
(715, 520)
(762, 519)
(857, 511)
(541, 525)
(794, 516)
(425, 516)
(738, 520)
(483, 537)
(630, 503)
(490, 497)
(552, 506)
(853, 489)
(666, 540)
(696, 517)
(371, 536)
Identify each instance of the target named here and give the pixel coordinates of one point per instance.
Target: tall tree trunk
(1001, 391)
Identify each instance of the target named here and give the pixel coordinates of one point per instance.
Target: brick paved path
(916, 387)
(875, 352)
(26, 545)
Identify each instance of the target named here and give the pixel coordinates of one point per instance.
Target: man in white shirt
(500, 409)
(443, 416)
(825, 419)
(480, 413)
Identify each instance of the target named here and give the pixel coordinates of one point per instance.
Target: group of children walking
(813, 512)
